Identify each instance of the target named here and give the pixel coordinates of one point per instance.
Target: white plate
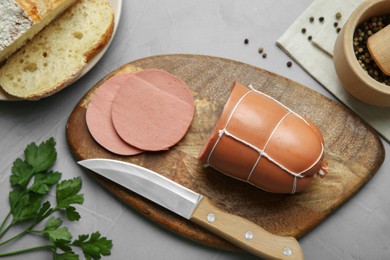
(116, 6)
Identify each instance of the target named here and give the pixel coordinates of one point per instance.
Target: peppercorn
(338, 30)
(310, 38)
(361, 34)
(289, 64)
(264, 55)
(338, 15)
(261, 50)
(246, 41)
(311, 19)
(321, 19)
(336, 24)
(303, 30)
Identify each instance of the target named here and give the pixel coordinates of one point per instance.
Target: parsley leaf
(65, 256)
(44, 211)
(57, 234)
(53, 223)
(15, 197)
(24, 205)
(44, 181)
(67, 193)
(72, 214)
(21, 173)
(95, 247)
(64, 245)
(41, 157)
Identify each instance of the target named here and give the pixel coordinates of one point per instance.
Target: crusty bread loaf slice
(23, 19)
(57, 55)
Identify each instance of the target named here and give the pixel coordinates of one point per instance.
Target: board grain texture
(353, 151)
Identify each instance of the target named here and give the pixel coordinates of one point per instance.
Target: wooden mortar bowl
(353, 77)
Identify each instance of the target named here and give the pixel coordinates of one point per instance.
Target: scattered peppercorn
(310, 38)
(264, 55)
(338, 29)
(336, 24)
(303, 30)
(289, 64)
(261, 50)
(311, 19)
(338, 15)
(246, 41)
(321, 19)
(363, 56)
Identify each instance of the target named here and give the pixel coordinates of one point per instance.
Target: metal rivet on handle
(287, 251)
(210, 217)
(249, 235)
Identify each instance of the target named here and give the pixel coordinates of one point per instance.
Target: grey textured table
(360, 229)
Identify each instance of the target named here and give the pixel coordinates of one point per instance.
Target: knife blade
(196, 208)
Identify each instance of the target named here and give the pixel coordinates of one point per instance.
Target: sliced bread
(23, 19)
(57, 55)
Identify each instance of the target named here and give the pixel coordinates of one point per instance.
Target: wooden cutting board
(352, 149)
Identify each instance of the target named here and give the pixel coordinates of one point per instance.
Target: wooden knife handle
(245, 234)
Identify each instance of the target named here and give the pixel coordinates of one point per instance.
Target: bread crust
(37, 9)
(104, 39)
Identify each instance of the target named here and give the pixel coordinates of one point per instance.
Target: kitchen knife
(196, 208)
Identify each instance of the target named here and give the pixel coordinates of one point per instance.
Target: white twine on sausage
(262, 152)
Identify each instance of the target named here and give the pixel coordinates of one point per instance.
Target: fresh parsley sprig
(31, 180)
